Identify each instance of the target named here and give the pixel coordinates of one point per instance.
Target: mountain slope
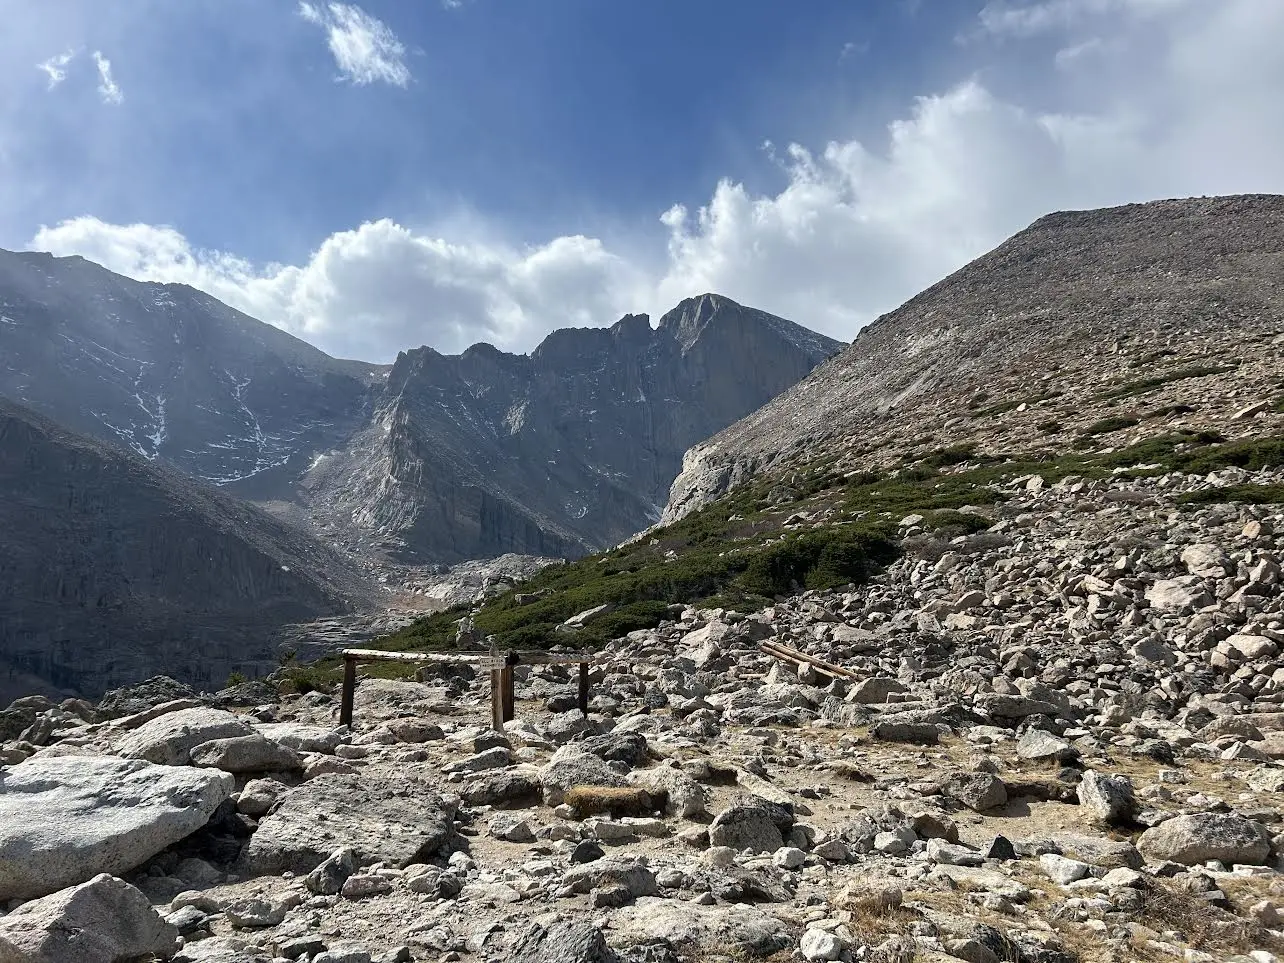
(569, 449)
(169, 372)
(1140, 313)
(113, 568)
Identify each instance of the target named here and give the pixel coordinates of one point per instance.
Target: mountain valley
(967, 647)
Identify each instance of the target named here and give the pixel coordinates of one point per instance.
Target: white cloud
(108, 89)
(364, 48)
(1178, 104)
(56, 67)
(1026, 19)
(380, 288)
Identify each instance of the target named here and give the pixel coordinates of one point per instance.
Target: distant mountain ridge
(569, 449)
(436, 458)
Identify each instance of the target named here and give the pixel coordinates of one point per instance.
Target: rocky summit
(564, 451)
(980, 658)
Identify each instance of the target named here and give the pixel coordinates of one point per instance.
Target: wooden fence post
(506, 686)
(496, 700)
(584, 687)
(349, 690)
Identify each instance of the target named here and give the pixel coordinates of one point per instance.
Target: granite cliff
(566, 450)
(113, 568)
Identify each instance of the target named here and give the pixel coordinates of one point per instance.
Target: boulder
(696, 930)
(145, 695)
(1203, 836)
(874, 691)
(571, 767)
(169, 739)
(1179, 595)
(302, 737)
(562, 942)
(396, 821)
(751, 823)
(518, 784)
(251, 753)
(258, 796)
(65, 819)
(1109, 798)
(1039, 746)
(684, 797)
(102, 921)
(977, 790)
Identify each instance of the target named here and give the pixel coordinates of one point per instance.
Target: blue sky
(378, 175)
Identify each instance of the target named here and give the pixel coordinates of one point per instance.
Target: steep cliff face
(1083, 316)
(569, 449)
(113, 568)
(172, 374)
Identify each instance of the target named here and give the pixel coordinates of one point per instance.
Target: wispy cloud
(364, 47)
(56, 67)
(1027, 19)
(108, 89)
(854, 49)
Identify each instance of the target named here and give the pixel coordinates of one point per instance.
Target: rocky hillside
(566, 450)
(170, 373)
(1090, 328)
(1055, 737)
(113, 568)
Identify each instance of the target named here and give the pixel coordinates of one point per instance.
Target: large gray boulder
(396, 821)
(102, 921)
(571, 766)
(1110, 799)
(1203, 836)
(169, 739)
(751, 823)
(250, 753)
(64, 819)
(559, 942)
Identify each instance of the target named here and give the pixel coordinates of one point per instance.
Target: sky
(377, 176)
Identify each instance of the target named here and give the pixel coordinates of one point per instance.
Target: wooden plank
(377, 655)
(584, 687)
(784, 652)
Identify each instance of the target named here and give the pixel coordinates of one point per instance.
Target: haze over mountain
(113, 568)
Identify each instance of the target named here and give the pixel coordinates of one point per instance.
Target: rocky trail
(1064, 741)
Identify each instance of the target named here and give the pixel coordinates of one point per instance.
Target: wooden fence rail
(500, 665)
(786, 654)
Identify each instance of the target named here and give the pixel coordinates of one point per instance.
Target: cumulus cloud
(365, 49)
(56, 67)
(108, 89)
(382, 287)
(1178, 104)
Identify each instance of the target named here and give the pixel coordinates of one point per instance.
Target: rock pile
(1059, 739)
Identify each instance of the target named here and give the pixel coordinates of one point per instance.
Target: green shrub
(1106, 425)
(951, 522)
(1131, 389)
(1247, 494)
(1049, 427)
